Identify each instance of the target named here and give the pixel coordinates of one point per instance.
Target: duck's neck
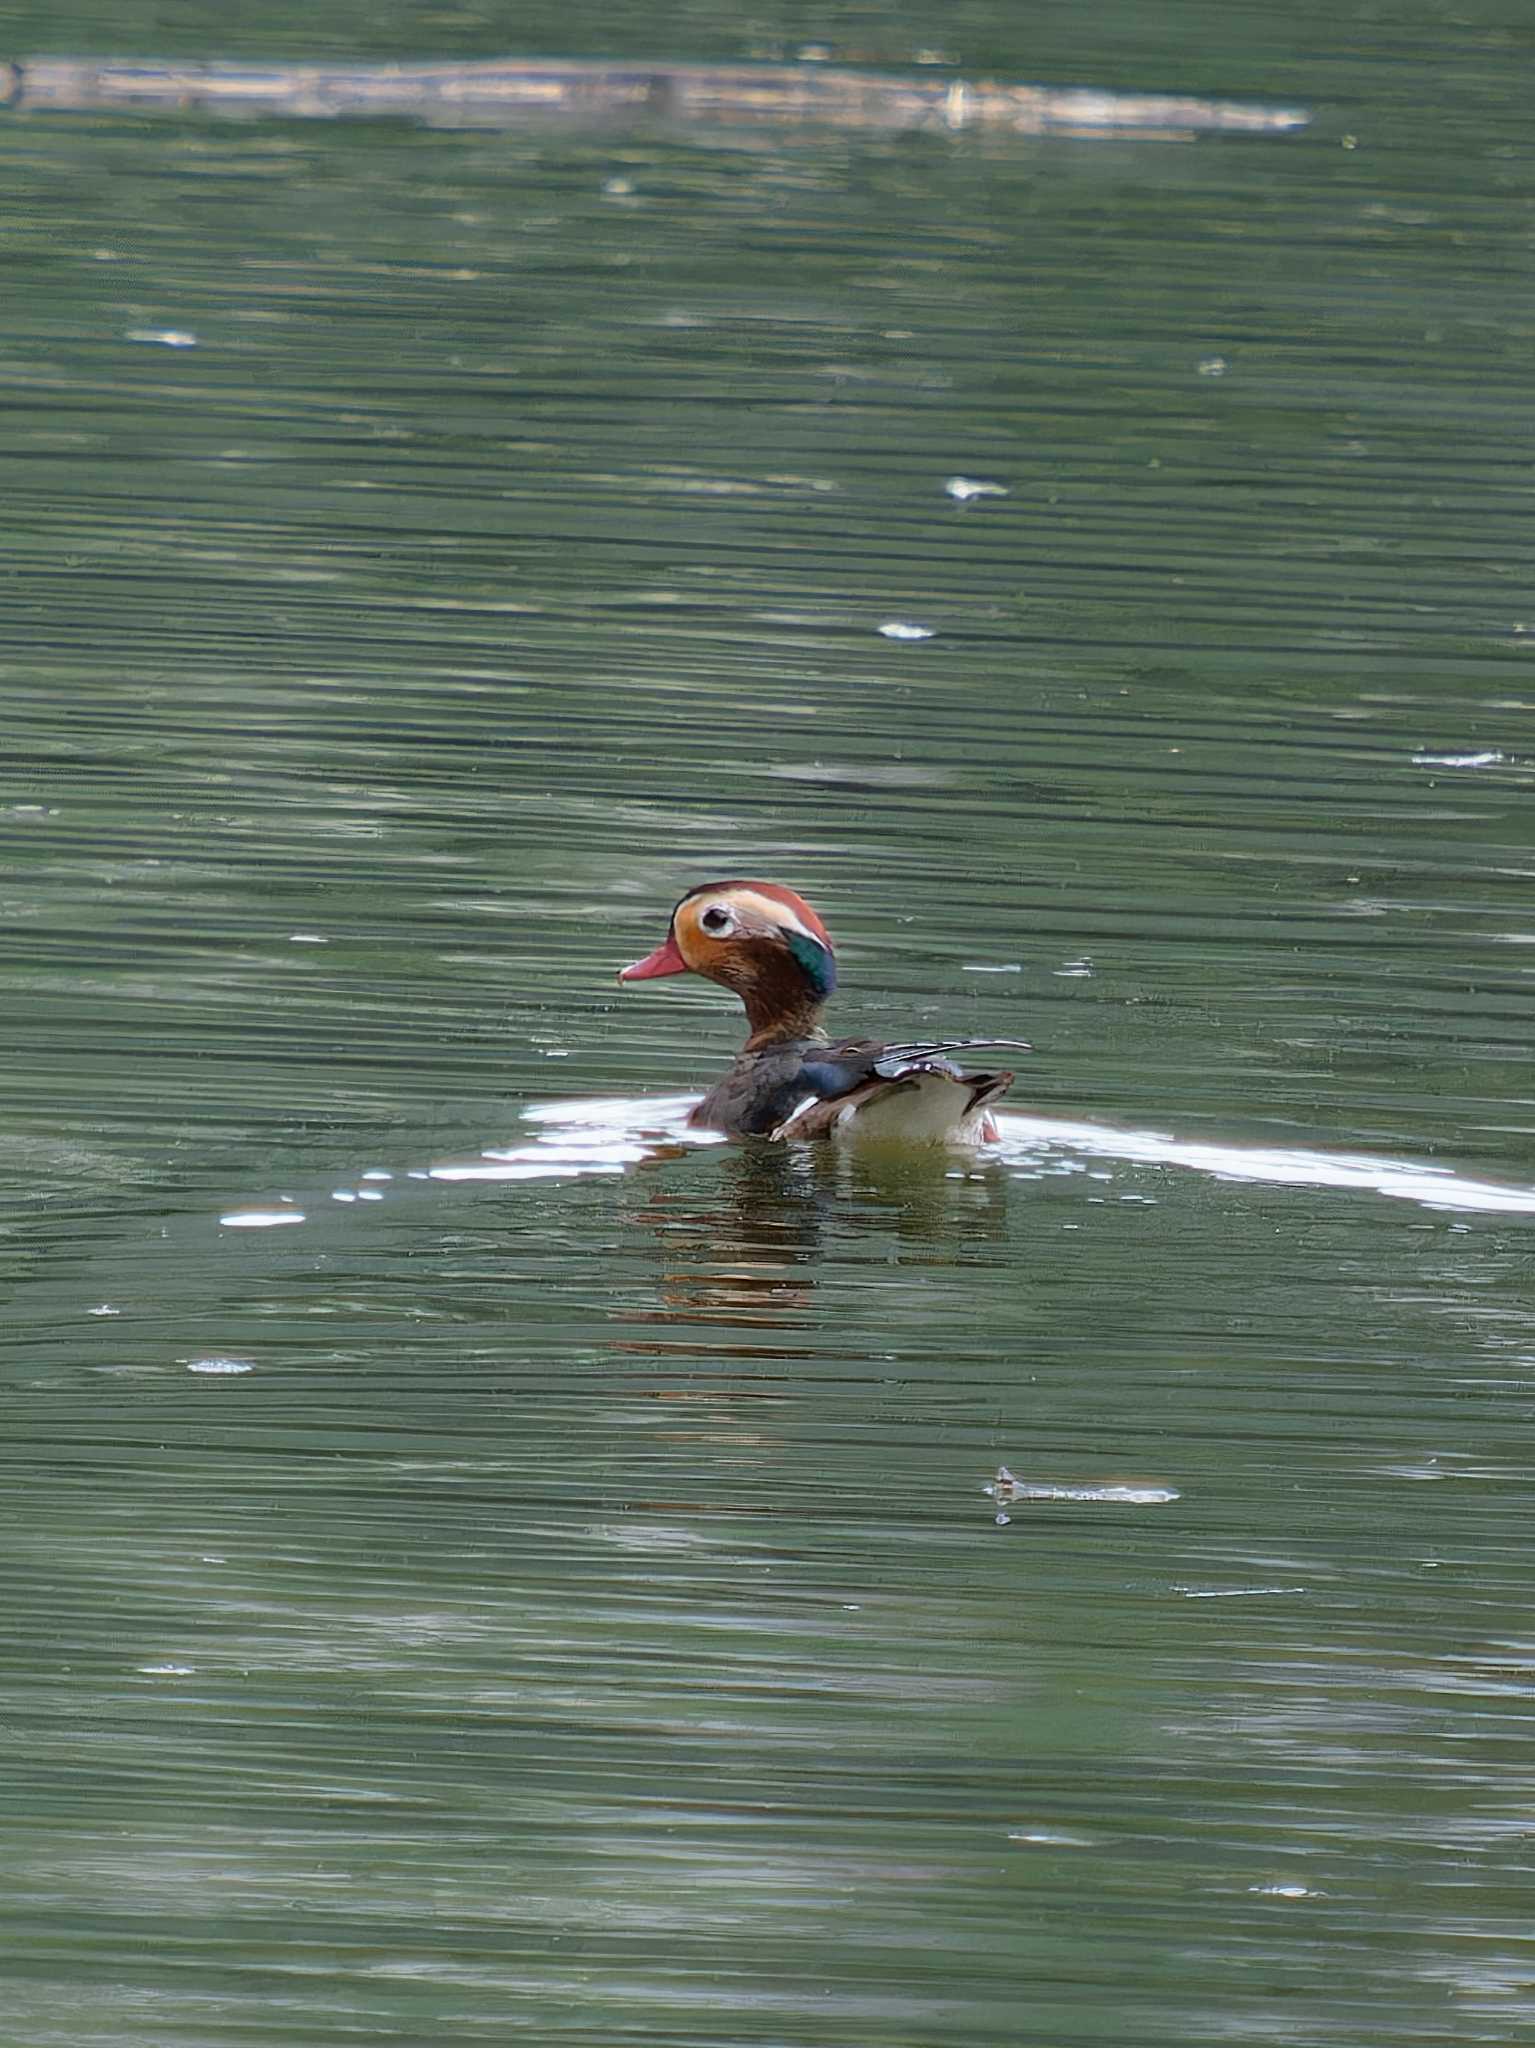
(771, 1018)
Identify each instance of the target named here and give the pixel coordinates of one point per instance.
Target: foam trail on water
(1022, 1139)
(1435, 1187)
(614, 1134)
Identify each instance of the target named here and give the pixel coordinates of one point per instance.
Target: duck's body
(789, 1081)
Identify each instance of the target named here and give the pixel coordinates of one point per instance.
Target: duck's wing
(898, 1058)
(910, 1091)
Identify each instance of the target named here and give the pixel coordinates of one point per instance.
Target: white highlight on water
(1435, 1187)
(612, 1134)
(1069, 1143)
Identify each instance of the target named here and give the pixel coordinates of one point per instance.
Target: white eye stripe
(770, 911)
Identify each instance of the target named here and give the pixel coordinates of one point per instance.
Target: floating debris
(903, 629)
(1007, 1490)
(517, 92)
(1235, 1592)
(963, 488)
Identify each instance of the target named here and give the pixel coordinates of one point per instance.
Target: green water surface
(567, 1609)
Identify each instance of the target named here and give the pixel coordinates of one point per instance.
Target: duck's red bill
(664, 960)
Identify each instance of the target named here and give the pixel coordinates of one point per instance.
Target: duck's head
(759, 940)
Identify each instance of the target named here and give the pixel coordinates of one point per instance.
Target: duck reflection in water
(749, 1250)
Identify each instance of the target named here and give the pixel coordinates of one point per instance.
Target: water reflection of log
(516, 92)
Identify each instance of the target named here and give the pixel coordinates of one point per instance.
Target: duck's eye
(716, 920)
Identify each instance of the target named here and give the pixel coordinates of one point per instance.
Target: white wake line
(616, 1133)
(1436, 1187)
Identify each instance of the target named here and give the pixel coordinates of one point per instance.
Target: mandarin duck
(768, 947)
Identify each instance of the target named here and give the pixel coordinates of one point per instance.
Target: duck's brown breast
(761, 1090)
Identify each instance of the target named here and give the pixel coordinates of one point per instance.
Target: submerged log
(517, 92)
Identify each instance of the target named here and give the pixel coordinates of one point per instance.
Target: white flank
(926, 1109)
